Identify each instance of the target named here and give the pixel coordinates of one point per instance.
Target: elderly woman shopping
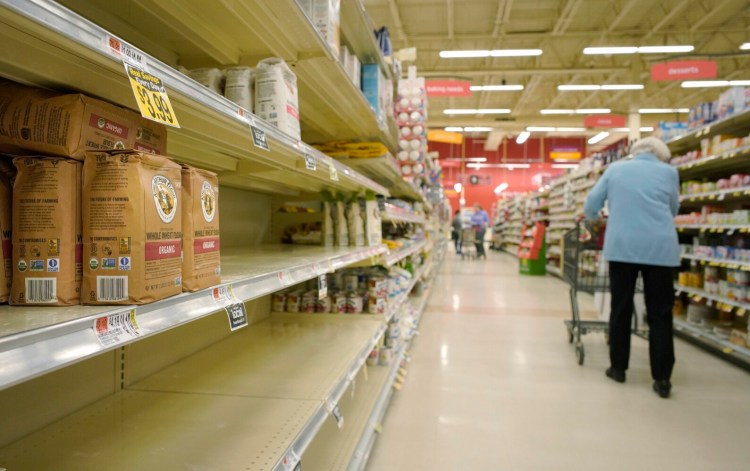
(642, 197)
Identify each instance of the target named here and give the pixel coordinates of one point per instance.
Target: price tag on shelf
(736, 194)
(727, 350)
(335, 411)
(151, 96)
(259, 138)
(697, 298)
(236, 312)
(291, 462)
(710, 302)
(127, 53)
(333, 172)
(726, 308)
(285, 277)
(310, 162)
(116, 328)
(721, 196)
(741, 312)
(322, 287)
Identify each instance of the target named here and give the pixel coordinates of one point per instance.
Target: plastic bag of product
(240, 85)
(209, 77)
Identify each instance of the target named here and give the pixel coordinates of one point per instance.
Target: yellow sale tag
(397, 386)
(697, 299)
(151, 96)
(727, 350)
(741, 312)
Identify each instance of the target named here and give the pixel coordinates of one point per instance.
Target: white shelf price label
(336, 413)
(291, 462)
(310, 163)
(333, 172)
(151, 96)
(236, 312)
(285, 277)
(127, 53)
(116, 328)
(259, 138)
(322, 287)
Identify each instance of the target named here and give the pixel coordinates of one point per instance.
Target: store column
(634, 126)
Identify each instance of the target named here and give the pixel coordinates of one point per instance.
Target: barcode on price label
(117, 328)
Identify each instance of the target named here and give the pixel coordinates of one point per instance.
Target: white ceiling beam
(624, 12)
(573, 35)
(667, 18)
(566, 16)
(710, 14)
(393, 8)
(518, 71)
(449, 7)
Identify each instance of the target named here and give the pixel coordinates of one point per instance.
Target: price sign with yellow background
(151, 96)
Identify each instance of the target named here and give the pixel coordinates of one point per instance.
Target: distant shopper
(456, 233)
(643, 199)
(479, 222)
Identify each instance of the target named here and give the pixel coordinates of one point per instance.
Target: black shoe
(663, 388)
(615, 375)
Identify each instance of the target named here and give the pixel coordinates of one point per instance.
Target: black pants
(658, 285)
(480, 242)
(456, 241)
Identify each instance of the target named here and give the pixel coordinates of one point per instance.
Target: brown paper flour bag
(201, 267)
(46, 231)
(132, 228)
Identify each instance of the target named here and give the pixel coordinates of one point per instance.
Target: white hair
(652, 145)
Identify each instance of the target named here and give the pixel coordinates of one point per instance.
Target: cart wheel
(570, 335)
(580, 355)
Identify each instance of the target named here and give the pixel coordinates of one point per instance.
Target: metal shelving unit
(706, 339)
(692, 139)
(395, 213)
(715, 298)
(391, 258)
(716, 196)
(735, 159)
(34, 341)
(49, 45)
(719, 262)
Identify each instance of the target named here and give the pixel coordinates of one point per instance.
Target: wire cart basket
(585, 270)
(468, 243)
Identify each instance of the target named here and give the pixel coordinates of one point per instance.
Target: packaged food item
(278, 302)
(276, 98)
(323, 305)
(209, 77)
(201, 264)
(42, 122)
(240, 86)
(377, 286)
(325, 15)
(372, 358)
(373, 223)
(294, 301)
(340, 224)
(309, 301)
(46, 231)
(377, 305)
(132, 228)
(356, 223)
(354, 303)
(338, 303)
(7, 175)
(386, 356)
(351, 282)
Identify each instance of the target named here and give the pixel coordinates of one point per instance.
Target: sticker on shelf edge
(127, 53)
(235, 308)
(310, 162)
(322, 287)
(116, 328)
(259, 138)
(333, 172)
(151, 96)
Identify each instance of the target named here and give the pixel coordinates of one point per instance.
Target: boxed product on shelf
(7, 175)
(325, 15)
(352, 66)
(240, 86)
(373, 83)
(34, 121)
(46, 231)
(276, 99)
(201, 264)
(209, 77)
(132, 228)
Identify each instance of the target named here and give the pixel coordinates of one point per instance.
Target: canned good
(323, 305)
(293, 301)
(377, 286)
(351, 282)
(338, 303)
(386, 356)
(309, 301)
(336, 281)
(354, 303)
(278, 302)
(372, 358)
(377, 305)
(711, 274)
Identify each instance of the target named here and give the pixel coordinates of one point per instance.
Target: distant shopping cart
(468, 243)
(586, 271)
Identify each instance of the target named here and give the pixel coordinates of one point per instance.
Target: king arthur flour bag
(201, 267)
(46, 231)
(132, 228)
(7, 175)
(42, 122)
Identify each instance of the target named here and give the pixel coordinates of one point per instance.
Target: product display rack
(395, 213)
(49, 45)
(713, 167)
(386, 171)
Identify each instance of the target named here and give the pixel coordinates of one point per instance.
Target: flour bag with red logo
(201, 267)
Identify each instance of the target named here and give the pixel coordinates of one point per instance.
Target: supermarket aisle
(494, 385)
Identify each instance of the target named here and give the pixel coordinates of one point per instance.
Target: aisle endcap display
(215, 132)
(35, 341)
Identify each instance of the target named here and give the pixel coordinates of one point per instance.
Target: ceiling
(562, 28)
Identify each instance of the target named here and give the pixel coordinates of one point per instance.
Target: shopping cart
(586, 271)
(468, 243)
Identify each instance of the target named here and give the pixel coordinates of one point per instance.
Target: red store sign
(448, 88)
(682, 70)
(604, 121)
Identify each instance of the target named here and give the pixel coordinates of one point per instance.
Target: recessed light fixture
(714, 83)
(523, 137)
(458, 54)
(540, 129)
(610, 50)
(745, 47)
(663, 110)
(496, 88)
(586, 87)
(477, 111)
(453, 129)
(500, 188)
(579, 111)
(467, 129)
(599, 137)
(458, 186)
(642, 129)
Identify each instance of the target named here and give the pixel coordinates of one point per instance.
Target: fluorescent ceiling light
(479, 111)
(495, 88)
(567, 88)
(508, 166)
(557, 111)
(523, 137)
(564, 165)
(570, 129)
(512, 166)
(593, 111)
(745, 46)
(493, 53)
(615, 86)
(642, 129)
(599, 137)
(623, 86)
(610, 50)
(540, 128)
(663, 110)
(500, 188)
(477, 129)
(476, 159)
(458, 186)
(454, 129)
(647, 129)
(476, 166)
(714, 83)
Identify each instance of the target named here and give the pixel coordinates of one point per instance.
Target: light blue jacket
(643, 199)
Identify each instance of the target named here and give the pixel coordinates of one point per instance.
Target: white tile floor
(494, 385)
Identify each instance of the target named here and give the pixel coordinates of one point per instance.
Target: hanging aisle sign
(447, 88)
(683, 70)
(149, 90)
